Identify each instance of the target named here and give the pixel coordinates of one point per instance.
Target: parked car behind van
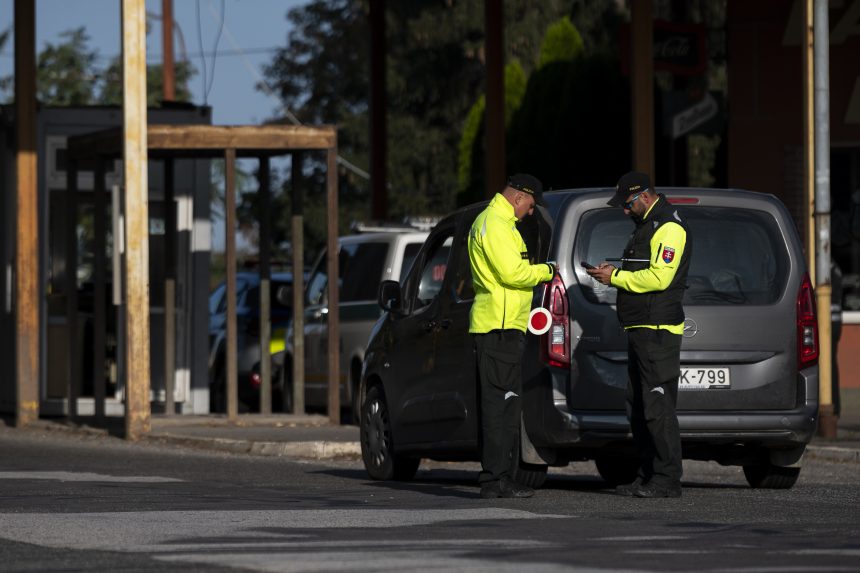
(364, 261)
(247, 337)
(749, 383)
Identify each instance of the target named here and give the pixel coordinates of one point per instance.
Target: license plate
(703, 378)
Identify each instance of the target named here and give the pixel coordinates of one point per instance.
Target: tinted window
(361, 268)
(317, 283)
(433, 272)
(461, 285)
(739, 256)
(252, 297)
(409, 254)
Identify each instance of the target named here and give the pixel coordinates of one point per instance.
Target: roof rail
(408, 224)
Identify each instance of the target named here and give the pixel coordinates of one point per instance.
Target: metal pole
(27, 375)
(169, 289)
(642, 84)
(137, 419)
(333, 291)
(809, 138)
(265, 289)
(230, 253)
(827, 420)
(297, 228)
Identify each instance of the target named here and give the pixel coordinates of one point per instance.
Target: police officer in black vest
(651, 283)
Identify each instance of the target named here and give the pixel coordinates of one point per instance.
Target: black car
(749, 381)
(247, 339)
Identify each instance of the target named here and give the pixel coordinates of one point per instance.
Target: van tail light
(807, 326)
(555, 343)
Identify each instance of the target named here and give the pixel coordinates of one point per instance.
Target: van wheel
(530, 475)
(617, 470)
(769, 476)
(377, 445)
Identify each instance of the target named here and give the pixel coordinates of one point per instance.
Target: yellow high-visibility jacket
(502, 275)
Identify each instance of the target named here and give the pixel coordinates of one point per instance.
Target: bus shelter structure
(171, 142)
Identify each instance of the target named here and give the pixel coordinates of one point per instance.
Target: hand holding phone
(587, 266)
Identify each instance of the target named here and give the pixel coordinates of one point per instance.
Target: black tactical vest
(659, 307)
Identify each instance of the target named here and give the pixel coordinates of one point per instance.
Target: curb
(314, 450)
(834, 454)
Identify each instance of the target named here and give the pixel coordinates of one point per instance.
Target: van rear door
(739, 346)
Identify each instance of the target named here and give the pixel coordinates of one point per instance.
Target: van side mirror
(390, 296)
(284, 295)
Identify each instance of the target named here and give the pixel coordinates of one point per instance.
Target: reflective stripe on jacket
(502, 275)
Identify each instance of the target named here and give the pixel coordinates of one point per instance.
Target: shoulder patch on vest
(668, 255)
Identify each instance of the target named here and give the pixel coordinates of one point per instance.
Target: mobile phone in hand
(587, 265)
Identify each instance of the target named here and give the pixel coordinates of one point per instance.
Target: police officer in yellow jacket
(650, 287)
(503, 279)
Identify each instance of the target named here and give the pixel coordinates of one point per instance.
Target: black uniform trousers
(499, 355)
(654, 364)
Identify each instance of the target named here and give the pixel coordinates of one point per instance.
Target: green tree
(66, 72)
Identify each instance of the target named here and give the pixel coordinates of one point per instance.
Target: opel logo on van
(690, 328)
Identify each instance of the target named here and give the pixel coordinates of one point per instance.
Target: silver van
(364, 261)
(749, 381)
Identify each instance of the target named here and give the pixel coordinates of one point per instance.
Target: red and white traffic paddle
(539, 321)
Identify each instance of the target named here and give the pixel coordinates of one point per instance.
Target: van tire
(769, 476)
(377, 444)
(617, 470)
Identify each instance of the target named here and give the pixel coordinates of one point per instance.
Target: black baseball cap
(527, 184)
(629, 184)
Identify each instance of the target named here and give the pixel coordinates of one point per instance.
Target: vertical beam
(27, 373)
(297, 229)
(642, 86)
(169, 288)
(137, 406)
(378, 110)
(73, 386)
(333, 291)
(99, 288)
(821, 49)
(231, 363)
(265, 289)
(809, 137)
(494, 166)
(168, 72)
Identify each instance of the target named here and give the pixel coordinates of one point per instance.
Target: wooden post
(231, 363)
(494, 167)
(169, 288)
(642, 86)
(168, 71)
(378, 111)
(297, 229)
(333, 290)
(73, 387)
(265, 289)
(99, 288)
(137, 405)
(27, 291)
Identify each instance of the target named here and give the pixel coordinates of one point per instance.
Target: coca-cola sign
(677, 48)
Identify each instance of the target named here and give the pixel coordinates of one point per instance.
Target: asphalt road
(85, 503)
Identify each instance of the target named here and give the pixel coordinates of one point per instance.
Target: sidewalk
(312, 437)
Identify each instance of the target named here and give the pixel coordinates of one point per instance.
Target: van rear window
(739, 255)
